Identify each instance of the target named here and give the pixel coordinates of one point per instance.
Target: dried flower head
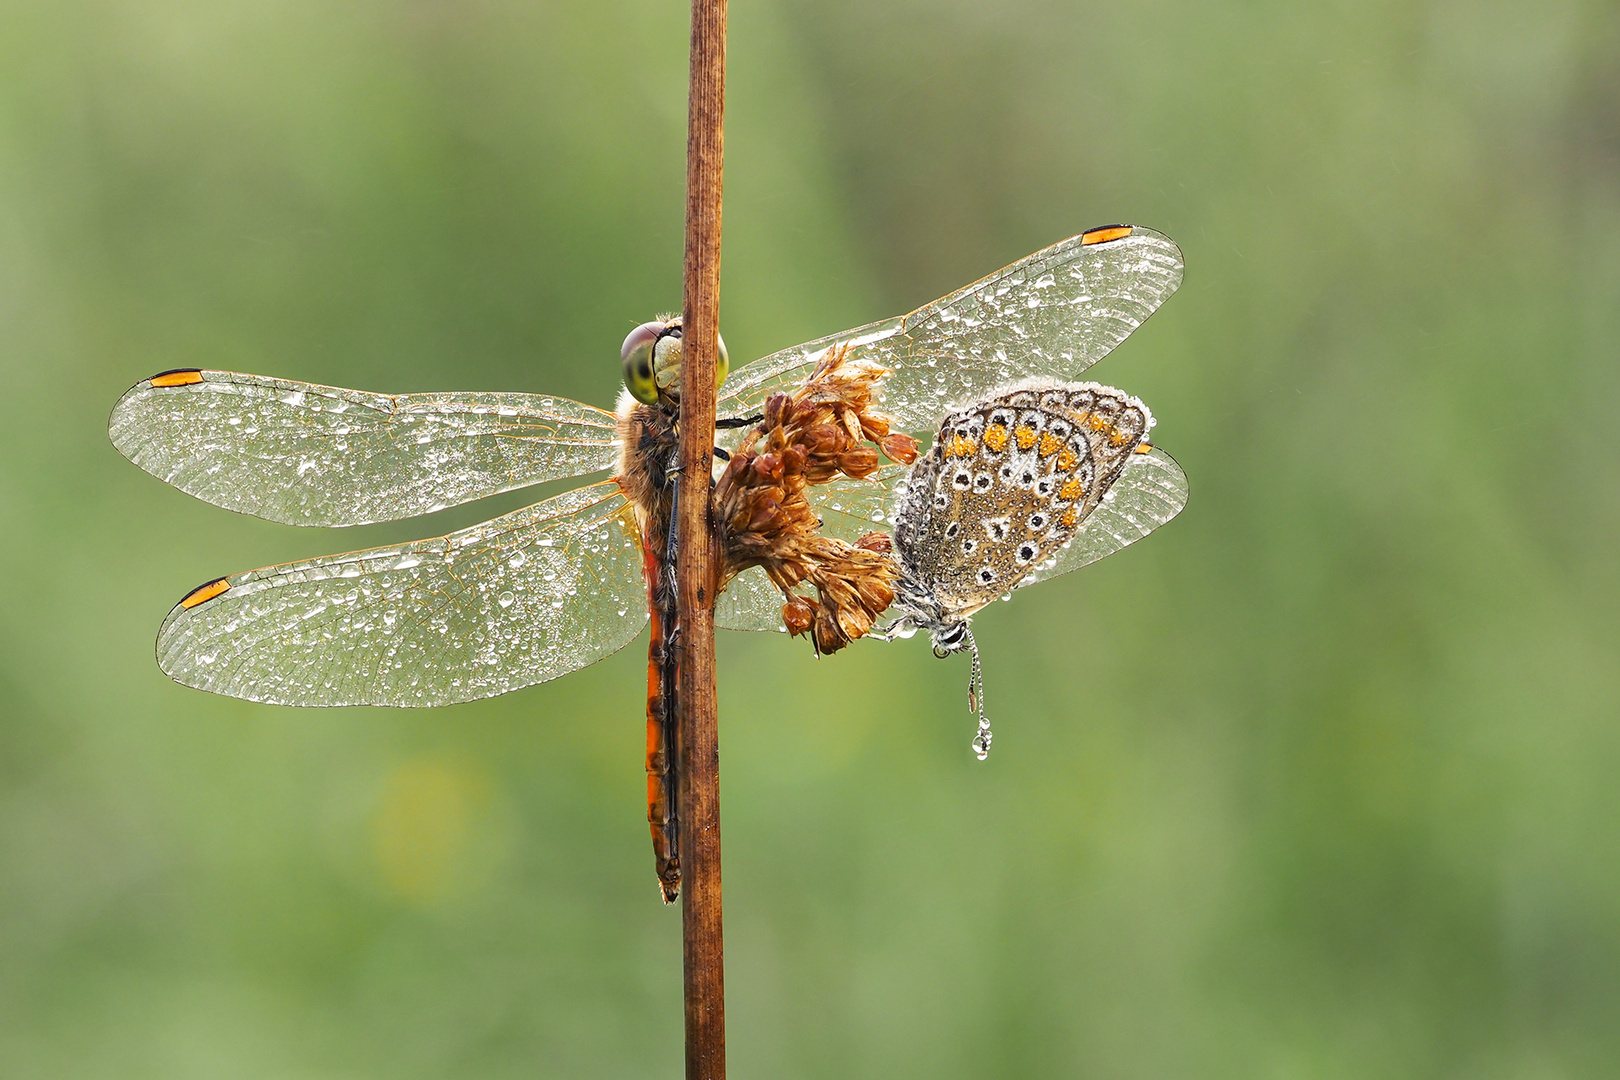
(825, 430)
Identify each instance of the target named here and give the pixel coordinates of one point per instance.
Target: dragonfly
(554, 586)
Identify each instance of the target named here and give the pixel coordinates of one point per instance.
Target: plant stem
(702, 939)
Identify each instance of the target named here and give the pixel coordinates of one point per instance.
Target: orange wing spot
(1143, 448)
(177, 377)
(1096, 422)
(1072, 489)
(1067, 462)
(1050, 444)
(960, 447)
(1025, 437)
(995, 437)
(1070, 518)
(1105, 234)
(1118, 437)
(204, 593)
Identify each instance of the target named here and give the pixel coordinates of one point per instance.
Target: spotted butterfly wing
(1006, 485)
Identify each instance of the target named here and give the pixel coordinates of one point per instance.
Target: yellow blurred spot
(995, 437)
(1050, 444)
(960, 447)
(1067, 461)
(1070, 518)
(425, 820)
(1025, 437)
(1143, 448)
(1071, 490)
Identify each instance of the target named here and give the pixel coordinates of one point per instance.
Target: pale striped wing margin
(1054, 313)
(524, 598)
(304, 454)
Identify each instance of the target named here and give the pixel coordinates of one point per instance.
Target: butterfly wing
(1007, 484)
(1053, 313)
(1151, 490)
(305, 454)
(523, 598)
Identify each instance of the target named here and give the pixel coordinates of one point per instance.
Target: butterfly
(1019, 487)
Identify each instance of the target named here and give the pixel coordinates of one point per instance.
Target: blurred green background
(1317, 782)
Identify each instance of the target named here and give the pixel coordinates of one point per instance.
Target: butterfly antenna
(981, 741)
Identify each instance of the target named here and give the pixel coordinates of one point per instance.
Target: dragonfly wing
(524, 598)
(1150, 492)
(849, 509)
(750, 602)
(1054, 313)
(305, 454)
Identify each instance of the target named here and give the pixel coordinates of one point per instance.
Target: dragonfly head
(652, 361)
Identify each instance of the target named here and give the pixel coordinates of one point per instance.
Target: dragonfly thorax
(647, 444)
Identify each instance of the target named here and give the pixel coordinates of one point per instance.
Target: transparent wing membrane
(750, 602)
(518, 600)
(1150, 492)
(305, 454)
(1054, 313)
(849, 509)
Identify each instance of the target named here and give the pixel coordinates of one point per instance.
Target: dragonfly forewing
(1053, 313)
(306, 454)
(514, 601)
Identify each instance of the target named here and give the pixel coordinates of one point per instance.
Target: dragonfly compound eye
(637, 355)
(666, 362)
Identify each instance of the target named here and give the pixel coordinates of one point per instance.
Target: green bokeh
(1317, 782)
